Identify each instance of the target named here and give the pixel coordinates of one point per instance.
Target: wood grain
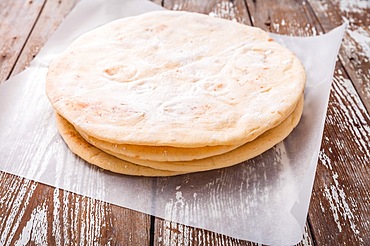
(43, 29)
(341, 193)
(232, 10)
(14, 31)
(341, 190)
(355, 50)
(37, 214)
(293, 18)
(170, 233)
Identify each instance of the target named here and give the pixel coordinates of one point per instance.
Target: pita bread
(131, 152)
(101, 159)
(247, 151)
(143, 80)
(158, 153)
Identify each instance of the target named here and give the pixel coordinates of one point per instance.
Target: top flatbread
(175, 79)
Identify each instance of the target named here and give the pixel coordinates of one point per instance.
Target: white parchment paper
(264, 200)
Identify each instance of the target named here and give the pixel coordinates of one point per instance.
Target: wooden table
(340, 205)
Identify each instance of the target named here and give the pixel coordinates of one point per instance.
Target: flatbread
(158, 153)
(247, 151)
(143, 80)
(100, 158)
(134, 153)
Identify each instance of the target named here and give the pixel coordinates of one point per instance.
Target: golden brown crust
(99, 158)
(123, 164)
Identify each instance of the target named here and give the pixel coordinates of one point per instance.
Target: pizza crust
(144, 81)
(100, 158)
(133, 166)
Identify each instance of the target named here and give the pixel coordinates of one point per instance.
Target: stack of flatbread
(168, 93)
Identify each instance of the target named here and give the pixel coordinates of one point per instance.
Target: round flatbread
(131, 152)
(247, 151)
(100, 158)
(143, 80)
(158, 153)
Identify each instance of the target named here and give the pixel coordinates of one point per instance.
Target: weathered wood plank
(232, 10)
(340, 207)
(170, 233)
(355, 50)
(14, 31)
(37, 214)
(51, 16)
(128, 227)
(285, 17)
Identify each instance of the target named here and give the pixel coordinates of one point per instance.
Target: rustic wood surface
(339, 213)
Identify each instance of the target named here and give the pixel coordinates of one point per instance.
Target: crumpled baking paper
(264, 200)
